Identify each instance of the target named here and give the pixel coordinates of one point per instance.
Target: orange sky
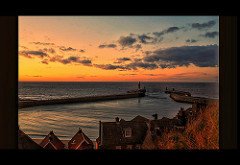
(67, 49)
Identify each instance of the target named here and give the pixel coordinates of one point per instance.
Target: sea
(65, 120)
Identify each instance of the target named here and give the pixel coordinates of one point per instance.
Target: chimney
(155, 116)
(117, 119)
(80, 130)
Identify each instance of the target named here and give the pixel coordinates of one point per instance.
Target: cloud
(127, 41)
(110, 67)
(153, 75)
(201, 56)
(137, 47)
(42, 43)
(80, 77)
(168, 30)
(210, 34)
(86, 62)
(45, 61)
(146, 39)
(33, 76)
(63, 48)
(121, 60)
(82, 51)
(130, 74)
(144, 65)
(75, 59)
(191, 40)
(203, 25)
(50, 50)
(32, 53)
(107, 46)
(23, 47)
(55, 58)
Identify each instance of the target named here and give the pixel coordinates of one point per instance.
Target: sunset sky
(119, 48)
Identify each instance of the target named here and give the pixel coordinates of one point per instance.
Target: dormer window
(128, 132)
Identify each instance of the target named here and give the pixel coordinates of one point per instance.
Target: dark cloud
(50, 50)
(127, 41)
(191, 40)
(172, 29)
(168, 30)
(75, 59)
(146, 39)
(55, 58)
(210, 34)
(23, 47)
(107, 46)
(86, 62)
(63, 48)
(137, 47)
(201, 56)
(205, 25)
(121, 60)
(82, 51)
(144, 65)
(42, 43)
(45, 61)
(31, 53)
(110, 67)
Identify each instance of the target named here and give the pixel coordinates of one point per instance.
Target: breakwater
(190, 99)
(32, 103)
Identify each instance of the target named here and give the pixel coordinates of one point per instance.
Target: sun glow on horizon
(102, 49)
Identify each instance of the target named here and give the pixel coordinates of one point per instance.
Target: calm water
(65, 120)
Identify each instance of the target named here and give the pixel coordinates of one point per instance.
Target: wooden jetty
(32, 103)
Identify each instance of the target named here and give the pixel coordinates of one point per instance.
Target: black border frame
(227, 84)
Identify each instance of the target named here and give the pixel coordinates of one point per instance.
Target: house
(80, 142)
(25, 142)
(52, 142)
(122, 134)
(158, 126)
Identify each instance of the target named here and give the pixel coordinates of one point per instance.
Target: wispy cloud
(33, 53)
(107, 46)
(63, 48)
(43, 43)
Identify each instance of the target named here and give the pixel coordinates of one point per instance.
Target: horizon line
(119, 81)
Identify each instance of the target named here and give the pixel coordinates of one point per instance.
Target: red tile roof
(80, 141)
(51, 141)
(25, 142)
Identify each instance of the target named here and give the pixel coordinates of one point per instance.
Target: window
(138, 146)
(129, 147)
(128, 132)
(118, 147)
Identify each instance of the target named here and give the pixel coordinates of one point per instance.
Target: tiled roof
(140, 119)
(54, 140)
(25, 142)
(78, 140)
(113, 133)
